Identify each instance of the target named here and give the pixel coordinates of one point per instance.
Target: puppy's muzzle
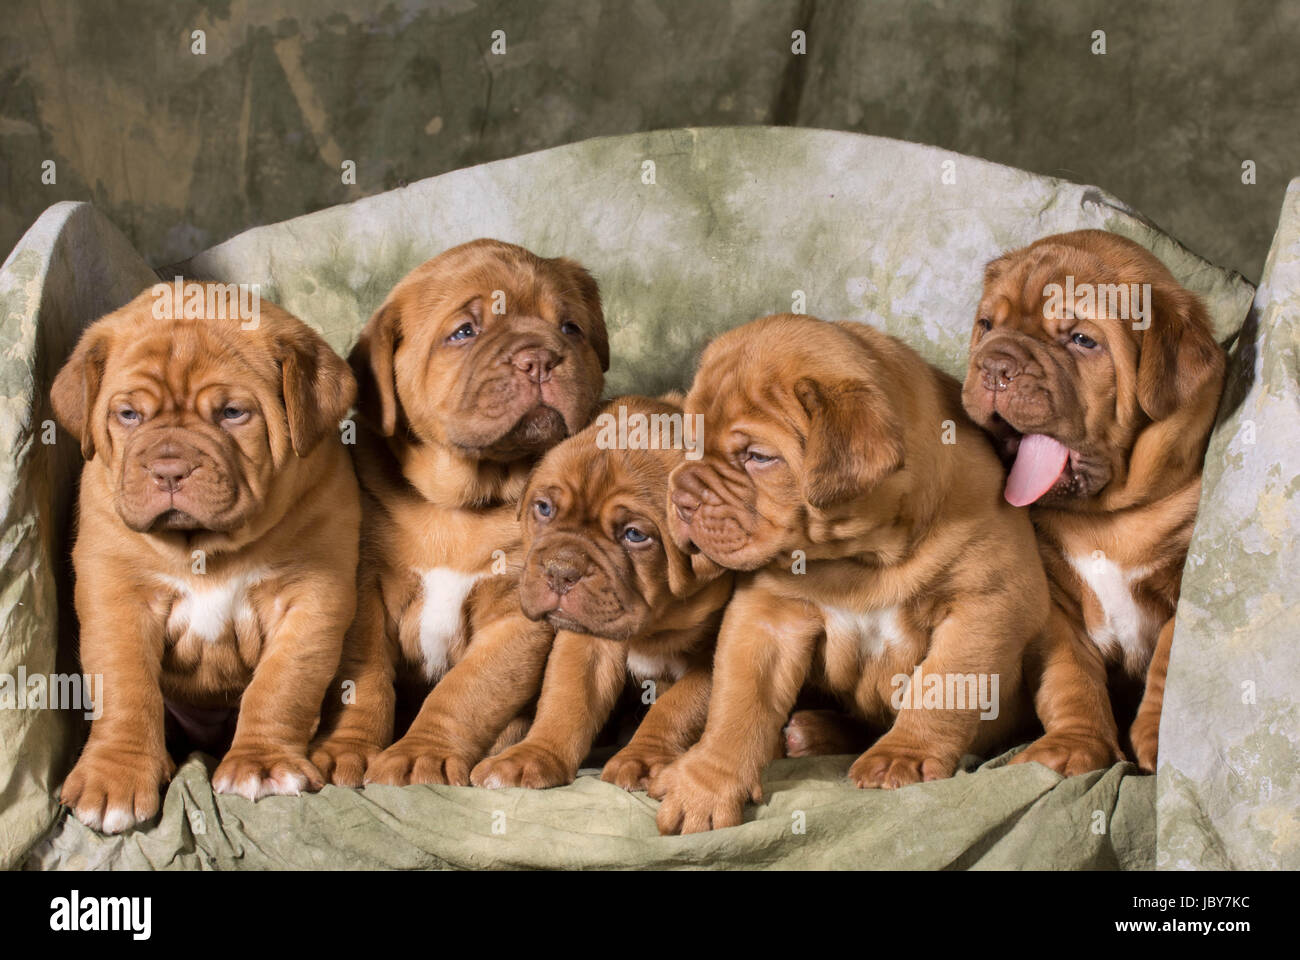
(561, 574)
(536, 363)
(168, 472)
(998, 369)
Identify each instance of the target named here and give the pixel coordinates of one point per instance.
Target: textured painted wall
(183, 150)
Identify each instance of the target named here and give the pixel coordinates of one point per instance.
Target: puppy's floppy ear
(589, 293)
(318, 387)
(853, 440)
(372, 363)
(1178, 357)
(76, 388)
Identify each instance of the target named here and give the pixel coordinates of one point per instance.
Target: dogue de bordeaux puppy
(477, 362)
(1102, 402)
(216, 544)
(626, 602)
(841, 472)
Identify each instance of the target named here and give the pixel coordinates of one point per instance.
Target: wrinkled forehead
(506, 283)
(185, 357)
(1051, 287)
(588, 482)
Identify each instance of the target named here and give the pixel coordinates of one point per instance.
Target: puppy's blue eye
(128, 417)
(569, 328)
(1083, 340)
(633, 535)
(465, 331)
(760, 458)
(543, 509)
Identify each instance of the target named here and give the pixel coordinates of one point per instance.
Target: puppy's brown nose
(998, 370)
(168, 472)
(536, 363)
(562, 574)
(686, 503)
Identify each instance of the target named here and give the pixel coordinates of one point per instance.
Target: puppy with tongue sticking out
(1039, 463)
(1098, 377)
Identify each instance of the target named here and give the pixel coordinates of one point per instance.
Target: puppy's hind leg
(820, 733)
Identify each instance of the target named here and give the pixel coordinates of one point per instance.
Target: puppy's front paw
(894, 762)
(112, 791)
(1071, 754)
(523, 765)
(257, 772)
(411, 761)
(701, 793)
(635, 768)
(342, 761)
(1145, 736)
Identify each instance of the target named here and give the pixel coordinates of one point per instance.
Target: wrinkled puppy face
(599, 559)
(795, 428)
(486, 349)
(195, 418)
(1081, 341)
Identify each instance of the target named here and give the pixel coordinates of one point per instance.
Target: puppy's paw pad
(406, 763)
(343, 762)
(523, 765)
(254, 776)
(1070, 754)
(889, 767)
(632, 770)
(699, 794)
(111, 793)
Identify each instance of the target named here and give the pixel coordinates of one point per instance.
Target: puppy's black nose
(168, 472)
(536, 363)
(998, 370)
(561, 575)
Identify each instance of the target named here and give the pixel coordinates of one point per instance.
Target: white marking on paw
(117, 819)
(287, 784)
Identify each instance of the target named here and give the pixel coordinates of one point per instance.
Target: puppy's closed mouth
(174, 519)
(536, 431)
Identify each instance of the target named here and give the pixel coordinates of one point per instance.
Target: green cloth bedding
(689, 232)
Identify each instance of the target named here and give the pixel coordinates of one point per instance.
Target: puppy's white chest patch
(1125, 625)
(211, 610)
(871, 631)
(444, 591)
(645, 666)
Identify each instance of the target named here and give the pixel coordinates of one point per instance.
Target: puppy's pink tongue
(1039, 462)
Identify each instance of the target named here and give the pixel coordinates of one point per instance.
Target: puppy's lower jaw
(536, 431)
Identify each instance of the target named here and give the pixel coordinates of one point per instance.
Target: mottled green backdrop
(182, 150)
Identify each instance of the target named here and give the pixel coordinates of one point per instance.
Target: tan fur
(1136, 412)
(268, 500)
(453, 428)
(897, 528)
(625, 613)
